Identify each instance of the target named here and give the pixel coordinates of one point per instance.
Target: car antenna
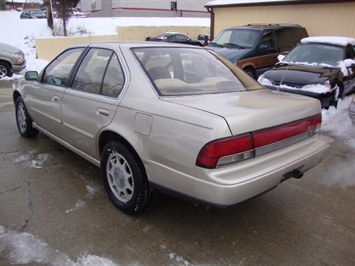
(283, 77)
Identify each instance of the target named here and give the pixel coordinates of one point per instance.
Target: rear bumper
(231, 185)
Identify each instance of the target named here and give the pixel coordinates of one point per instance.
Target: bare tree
(2, 5)
(49, 12)
(64, 11)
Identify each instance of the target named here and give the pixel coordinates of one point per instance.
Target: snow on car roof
(337, 40)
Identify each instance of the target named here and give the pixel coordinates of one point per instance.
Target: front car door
(92, 100)
(267, 52)
(265, 55)
(45, 100)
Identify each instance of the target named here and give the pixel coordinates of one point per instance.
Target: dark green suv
(255, 48)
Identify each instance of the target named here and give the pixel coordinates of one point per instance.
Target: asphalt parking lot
(54, 211)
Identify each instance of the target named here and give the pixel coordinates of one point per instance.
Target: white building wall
(149, 8)
(195, 5)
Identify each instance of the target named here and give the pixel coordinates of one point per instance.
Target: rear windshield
(186, 71)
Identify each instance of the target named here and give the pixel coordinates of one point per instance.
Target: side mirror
(31, 75)
(350, 65)
(263, 47)
(281, 57)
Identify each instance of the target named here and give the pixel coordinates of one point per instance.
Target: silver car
(172, 117)
(12, 60)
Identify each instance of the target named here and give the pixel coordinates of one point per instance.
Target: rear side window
(180, 38)
(113, 79)
(288, 38)
(100, 72)
(285, 40)
(299, 34)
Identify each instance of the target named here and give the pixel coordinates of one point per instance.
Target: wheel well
(15, 96)
(251, 69)
(108, 136)
(6, 62)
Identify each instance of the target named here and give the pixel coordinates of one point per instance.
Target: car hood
(6, 48)
(253, 110)
(232, 54)
(301, 75)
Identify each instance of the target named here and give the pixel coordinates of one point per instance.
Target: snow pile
(337, 122)
(336, 40)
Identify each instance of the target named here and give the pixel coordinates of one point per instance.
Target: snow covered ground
(22, 33)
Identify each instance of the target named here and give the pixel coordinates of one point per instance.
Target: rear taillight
(283, 132)
(238, 148)
(216, 150)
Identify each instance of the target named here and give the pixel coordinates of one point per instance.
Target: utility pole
(49, 9)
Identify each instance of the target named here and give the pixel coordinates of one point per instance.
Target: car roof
(33, 9)
(335, 40)
(263, 26)
(133, 44)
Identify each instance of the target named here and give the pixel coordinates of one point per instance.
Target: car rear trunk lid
(253, 110)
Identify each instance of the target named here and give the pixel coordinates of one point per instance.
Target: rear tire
(24, 121)
(124, 178)
(5, 69)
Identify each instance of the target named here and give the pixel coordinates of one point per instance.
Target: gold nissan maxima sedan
(170, 117)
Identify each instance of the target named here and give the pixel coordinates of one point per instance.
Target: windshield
(187, 71)
(240, 37)
(315, 54)
(38, 12)
(163, 36)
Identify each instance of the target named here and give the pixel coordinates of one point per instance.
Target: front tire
(124, 178)
(250, 72)
(24, 121)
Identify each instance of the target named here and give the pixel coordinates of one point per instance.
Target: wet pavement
(54, 211)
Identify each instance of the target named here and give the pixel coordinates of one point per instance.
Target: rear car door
(267, 51)
(92, 99)
(45, 99)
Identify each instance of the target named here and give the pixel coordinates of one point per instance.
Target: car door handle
(55, 99)
(103, 112)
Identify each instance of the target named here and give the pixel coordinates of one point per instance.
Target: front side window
(188, 71)
(268, 41)
(350, 52)
(58, 71)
